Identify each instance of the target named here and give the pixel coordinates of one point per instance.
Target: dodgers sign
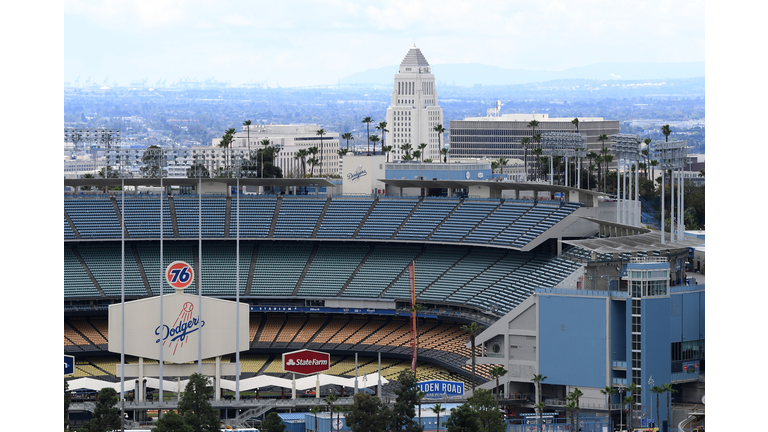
(439, 388)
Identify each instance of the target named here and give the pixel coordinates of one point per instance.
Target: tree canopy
(106, 417)
(367, 414)
(194, 409)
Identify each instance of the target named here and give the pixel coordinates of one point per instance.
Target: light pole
(621, 409)
(650, 386)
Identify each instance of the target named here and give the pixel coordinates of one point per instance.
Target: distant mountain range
(470, 74)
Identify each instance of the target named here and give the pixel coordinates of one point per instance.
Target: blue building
(648, 333)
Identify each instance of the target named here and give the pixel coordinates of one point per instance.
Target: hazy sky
(299, 43)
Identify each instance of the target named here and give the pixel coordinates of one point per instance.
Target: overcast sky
(299, 43)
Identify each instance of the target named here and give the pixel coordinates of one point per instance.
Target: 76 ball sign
(179, 274)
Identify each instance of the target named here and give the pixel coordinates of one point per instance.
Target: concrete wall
(573, 328)
(687, 316)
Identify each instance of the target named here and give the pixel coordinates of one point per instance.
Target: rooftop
(414, 58)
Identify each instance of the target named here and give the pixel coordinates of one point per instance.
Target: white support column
(627, 175)
(638, 216)
(663, 174)
(672, 227)
(681, 222)
(618, 190)
(142, 391)
(217, 384)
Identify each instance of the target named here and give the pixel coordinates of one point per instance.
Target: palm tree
(226, 143)
(654, 164)
(383, 128)
(524, 143)
(422, 146)
(590, 156)
(667, 131)
(444, 152)
(539, 406)
(497, 372)
(576, 394)
(604, 153)
(329, 400)
(374, 139)
(265, 143)
(419, 396)
(407, 149)
(368, 121)
(533, 124)
(632, 388)
(301, 155)
(494, 165)
(538, 152)
(571, 406)
(608, 391)
(437, 408)
(440, 131)
(658, 390)
(473, 329)
(668, 390)
(628, 402)
(701, 173)
(247, 128)
(537, 379)
(315, 409)
(607, 159)
(576, 123)
(347, 136)
(338, 410)
(313, 162)
(387, 149)
(417, 154)
(321, 133)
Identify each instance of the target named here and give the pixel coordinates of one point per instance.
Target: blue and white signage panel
(69, 365)
(439, 388)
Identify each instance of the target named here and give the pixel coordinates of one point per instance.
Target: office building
(414, 112)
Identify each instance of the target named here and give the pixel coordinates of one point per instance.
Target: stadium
(331, 272)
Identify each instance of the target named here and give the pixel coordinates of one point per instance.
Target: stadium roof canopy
(261, 381)
(493, 185)
(635, 243)
(170, 181)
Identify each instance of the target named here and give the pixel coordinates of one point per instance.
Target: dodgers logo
(359, 172)
(184, 325)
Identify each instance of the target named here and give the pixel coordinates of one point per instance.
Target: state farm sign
(306, 362)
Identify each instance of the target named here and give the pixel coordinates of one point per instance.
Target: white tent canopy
(260, 381)
(305, 383)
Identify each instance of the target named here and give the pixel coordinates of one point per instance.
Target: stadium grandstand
(331, 273)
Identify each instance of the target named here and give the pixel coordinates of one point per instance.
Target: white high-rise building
(413, 112)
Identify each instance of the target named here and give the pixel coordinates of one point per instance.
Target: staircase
(413, 210)
(482, 221)
(461, 201)
(354, 273)
(227, 216)
(320, 218)
(365, 218)
(172, 210)
(72, 225)
(87, 271)
(274, 216)
(119, 217)
(249, 418)
(141, 269)
(306, 266)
